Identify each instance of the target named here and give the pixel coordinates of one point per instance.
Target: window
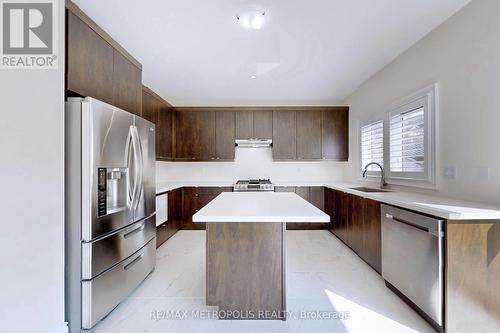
(403, 141)
(372, 146)
(407, 141)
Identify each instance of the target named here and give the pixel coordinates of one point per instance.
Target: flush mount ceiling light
(251, 18)
(253, 77)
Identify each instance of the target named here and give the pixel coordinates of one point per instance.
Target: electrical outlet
(450, 173)
(484, 173)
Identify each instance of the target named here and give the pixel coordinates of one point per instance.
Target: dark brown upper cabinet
(127, 84)
(263, 124)
(284, 135)
(89, 61)
(335, 134)
(194, 135)
(224, 135)
(309, 135)
(254, 124)
(244, 125)
(159, 112)
(164, 134)
(97, 66)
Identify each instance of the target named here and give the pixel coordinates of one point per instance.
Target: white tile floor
(322, 275)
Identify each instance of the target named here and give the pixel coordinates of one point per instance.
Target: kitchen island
(245, 251)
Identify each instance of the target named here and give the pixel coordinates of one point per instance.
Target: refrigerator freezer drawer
(102, 254)
(106, 291)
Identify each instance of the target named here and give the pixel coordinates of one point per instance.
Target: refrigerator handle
(140, 167)
(129, 148)
(137, 166)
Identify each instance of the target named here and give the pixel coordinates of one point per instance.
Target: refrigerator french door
(110, 208)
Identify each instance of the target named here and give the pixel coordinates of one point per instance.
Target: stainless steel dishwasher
(412, 260)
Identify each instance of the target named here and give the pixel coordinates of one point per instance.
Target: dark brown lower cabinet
(166, 230)
(372, 234)
(313, 194)
(356, 222)
(340, 223)
(194, 199)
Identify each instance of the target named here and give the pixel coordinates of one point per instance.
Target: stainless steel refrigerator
(109, 209)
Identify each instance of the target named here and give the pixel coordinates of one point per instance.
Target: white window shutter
(372, 145)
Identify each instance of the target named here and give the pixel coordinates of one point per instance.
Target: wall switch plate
(450, 173)
(484, 173)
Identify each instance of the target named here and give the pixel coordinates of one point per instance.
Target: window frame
(371, 174)
(427, 98)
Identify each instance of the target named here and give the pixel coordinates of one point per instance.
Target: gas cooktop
(253, 185)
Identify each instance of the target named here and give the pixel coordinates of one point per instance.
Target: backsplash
(250, 163)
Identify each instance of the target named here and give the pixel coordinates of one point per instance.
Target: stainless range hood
(254, 143)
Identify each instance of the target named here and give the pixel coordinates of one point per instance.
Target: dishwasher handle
(433, 231)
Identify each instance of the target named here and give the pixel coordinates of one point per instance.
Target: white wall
(463, 56)
(249, 163)
(31, 197)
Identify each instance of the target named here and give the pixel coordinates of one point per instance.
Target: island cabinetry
(472, 271)
(246, 268)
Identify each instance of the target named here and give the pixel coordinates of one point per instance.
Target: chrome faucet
(382, 179)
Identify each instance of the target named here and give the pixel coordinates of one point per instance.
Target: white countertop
(260, 207)
(442, 207)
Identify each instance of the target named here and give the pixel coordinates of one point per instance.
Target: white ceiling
(314, 52)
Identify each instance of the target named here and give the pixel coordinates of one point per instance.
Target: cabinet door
(335, 134)
(263, 124)
(284, 135)
(303, 192)
(149, 108)
(284, 189)
(195, 135)
(89, 61)
(244, 125)
(329, 205)
(127, 84)
(355, 224)
(342, 218)
(372, 234)
(224, 135)
(308, 135)
(188, 205)
(164, 132)
(175, 216)
(317, 197)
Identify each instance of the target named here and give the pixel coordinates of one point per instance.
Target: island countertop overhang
(279, 207)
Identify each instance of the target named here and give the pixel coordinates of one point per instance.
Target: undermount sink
(368, 189)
